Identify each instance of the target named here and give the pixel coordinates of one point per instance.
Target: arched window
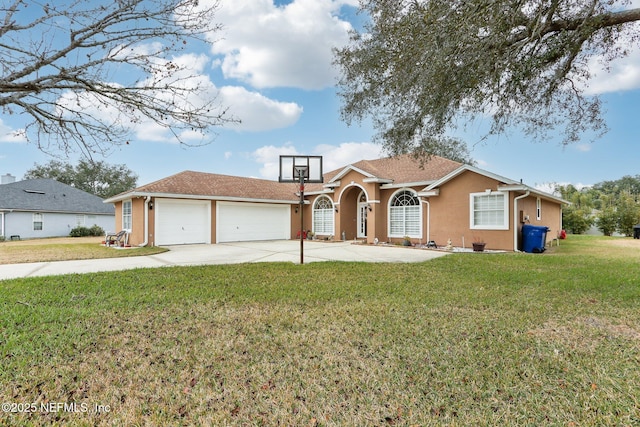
(405, 215)
(323, 216)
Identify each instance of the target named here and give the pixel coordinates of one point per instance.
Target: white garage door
(182, 222)
(241, 222)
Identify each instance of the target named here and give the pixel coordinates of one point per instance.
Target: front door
(362, 220)
(363, 208)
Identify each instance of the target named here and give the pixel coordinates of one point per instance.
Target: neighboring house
(380, 200)
(47, 208)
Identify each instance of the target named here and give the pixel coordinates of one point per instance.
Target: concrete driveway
(228, 253)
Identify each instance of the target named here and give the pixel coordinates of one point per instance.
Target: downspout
(147, 199)
(515, 219)
(426, 202)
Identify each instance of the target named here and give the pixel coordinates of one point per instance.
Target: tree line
(610, 206)
(98, 178)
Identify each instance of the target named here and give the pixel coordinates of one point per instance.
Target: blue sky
(273, 68)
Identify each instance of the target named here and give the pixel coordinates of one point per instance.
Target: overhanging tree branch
(421, 67)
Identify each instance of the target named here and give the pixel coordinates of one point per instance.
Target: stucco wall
(450, 214)
(137, 221)
(118, 217)
(551, 215)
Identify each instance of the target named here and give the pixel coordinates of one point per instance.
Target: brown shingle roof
(406, 168)
(399, 169)
(209, 184)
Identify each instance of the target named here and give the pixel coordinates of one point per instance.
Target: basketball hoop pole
(301, 218)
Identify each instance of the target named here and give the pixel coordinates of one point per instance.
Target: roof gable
(463, 168)
(508, 184)
(49, 195)
(399, 169)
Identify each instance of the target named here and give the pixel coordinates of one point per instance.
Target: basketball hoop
(301, 169)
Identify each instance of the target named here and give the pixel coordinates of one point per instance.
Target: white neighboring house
(37, 208)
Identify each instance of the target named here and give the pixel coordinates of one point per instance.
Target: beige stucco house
(382, 200)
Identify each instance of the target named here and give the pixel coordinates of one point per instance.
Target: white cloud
(482, 163)
(269, 156)
(337, 156)
(623, 73)
(7, 134)
(269, 46)
(257, 112)
(333, 156)
(549, 187)
(583, 148)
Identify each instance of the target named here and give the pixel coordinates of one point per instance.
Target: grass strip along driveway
(468, 339)
(66, 248)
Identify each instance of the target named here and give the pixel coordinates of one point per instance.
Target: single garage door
(182, 222)
(241, 222)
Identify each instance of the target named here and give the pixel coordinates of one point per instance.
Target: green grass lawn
(62, 249)
(467, 339)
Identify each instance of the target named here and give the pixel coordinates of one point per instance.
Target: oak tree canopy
(420, 68)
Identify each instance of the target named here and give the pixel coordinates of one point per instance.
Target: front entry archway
(353, 213)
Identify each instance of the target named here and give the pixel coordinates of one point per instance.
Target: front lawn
(467, 339)
(67, 248)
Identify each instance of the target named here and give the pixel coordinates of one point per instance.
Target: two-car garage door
(241, 222)
(180, 222)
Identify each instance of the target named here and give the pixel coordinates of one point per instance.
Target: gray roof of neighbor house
(49, 195)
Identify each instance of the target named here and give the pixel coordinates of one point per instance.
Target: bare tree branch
(87, 72)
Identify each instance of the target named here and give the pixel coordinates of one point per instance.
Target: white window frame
(538, 209)
(38, 218)
(323, 219)
(504, 207)
(127, 217)
(403, 211)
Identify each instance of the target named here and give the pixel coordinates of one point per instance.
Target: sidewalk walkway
(227, 253)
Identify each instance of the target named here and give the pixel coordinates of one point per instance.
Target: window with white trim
(405, 215)
(80, 220)
(38, 221)
(126, 215)
(489, 211)
(538, 209)
(323, 216)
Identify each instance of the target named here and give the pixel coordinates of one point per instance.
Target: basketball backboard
(292, 167)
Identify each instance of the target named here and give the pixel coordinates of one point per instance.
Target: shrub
(96, 230)
(80, 231)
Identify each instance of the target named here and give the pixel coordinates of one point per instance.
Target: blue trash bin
(534, 238)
